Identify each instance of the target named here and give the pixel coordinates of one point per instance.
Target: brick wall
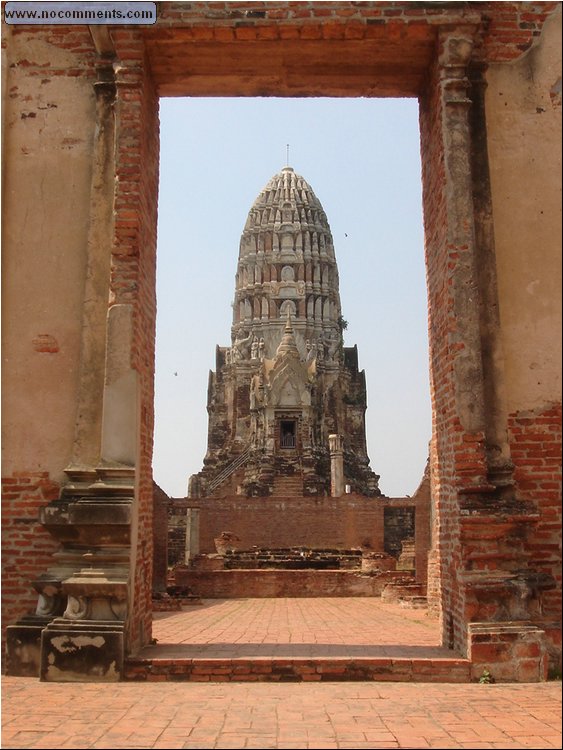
(240, 584)
(42, 65)
(398, 524)
(422, 529)
(511, 27)
(459, 470)
(535, 438)
(318, 522)
(346, 522)
(27, 548)
(441, 321)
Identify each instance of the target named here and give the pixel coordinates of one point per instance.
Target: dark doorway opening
(288, 433)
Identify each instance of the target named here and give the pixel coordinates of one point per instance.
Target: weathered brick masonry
(27, 547)
(428, 50)
(536, 449)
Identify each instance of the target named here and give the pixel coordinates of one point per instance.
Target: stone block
(23, 648)
(82, 651)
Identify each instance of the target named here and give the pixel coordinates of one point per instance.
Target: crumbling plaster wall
(523, 102)
(524, 142)
(48, 122)
(49, 125)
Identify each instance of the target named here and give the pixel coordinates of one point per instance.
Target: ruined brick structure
(80, 149)
(286, 382)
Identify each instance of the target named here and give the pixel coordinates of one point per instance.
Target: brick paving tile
(197, 716)
(371, 736)
(299, 627)
(537, 742)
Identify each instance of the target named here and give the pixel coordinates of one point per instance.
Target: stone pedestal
(23, 640)
(407, 558)
(77, 631)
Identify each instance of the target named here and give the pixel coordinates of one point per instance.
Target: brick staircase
(290, 485)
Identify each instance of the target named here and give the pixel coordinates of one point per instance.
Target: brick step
(265, 669)
(398, 591)
(414, 602)
(282, 482)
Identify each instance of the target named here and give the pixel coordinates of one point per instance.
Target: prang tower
(286, 383)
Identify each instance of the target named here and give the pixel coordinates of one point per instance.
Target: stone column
(336, 465)
(456, 46)
(192, 534)
(119, 418)
(500, 467)
(88, 428)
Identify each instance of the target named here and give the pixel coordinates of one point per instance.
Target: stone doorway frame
(471, 468)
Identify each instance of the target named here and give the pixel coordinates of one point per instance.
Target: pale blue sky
(362, 159)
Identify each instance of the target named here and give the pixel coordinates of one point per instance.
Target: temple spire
(283, 385)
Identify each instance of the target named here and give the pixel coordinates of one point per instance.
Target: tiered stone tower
(286, 382)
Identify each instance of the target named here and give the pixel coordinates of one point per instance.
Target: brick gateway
(496, 445)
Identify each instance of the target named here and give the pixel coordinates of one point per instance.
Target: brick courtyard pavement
(289, 715)
(284, 715)
(307, 627)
